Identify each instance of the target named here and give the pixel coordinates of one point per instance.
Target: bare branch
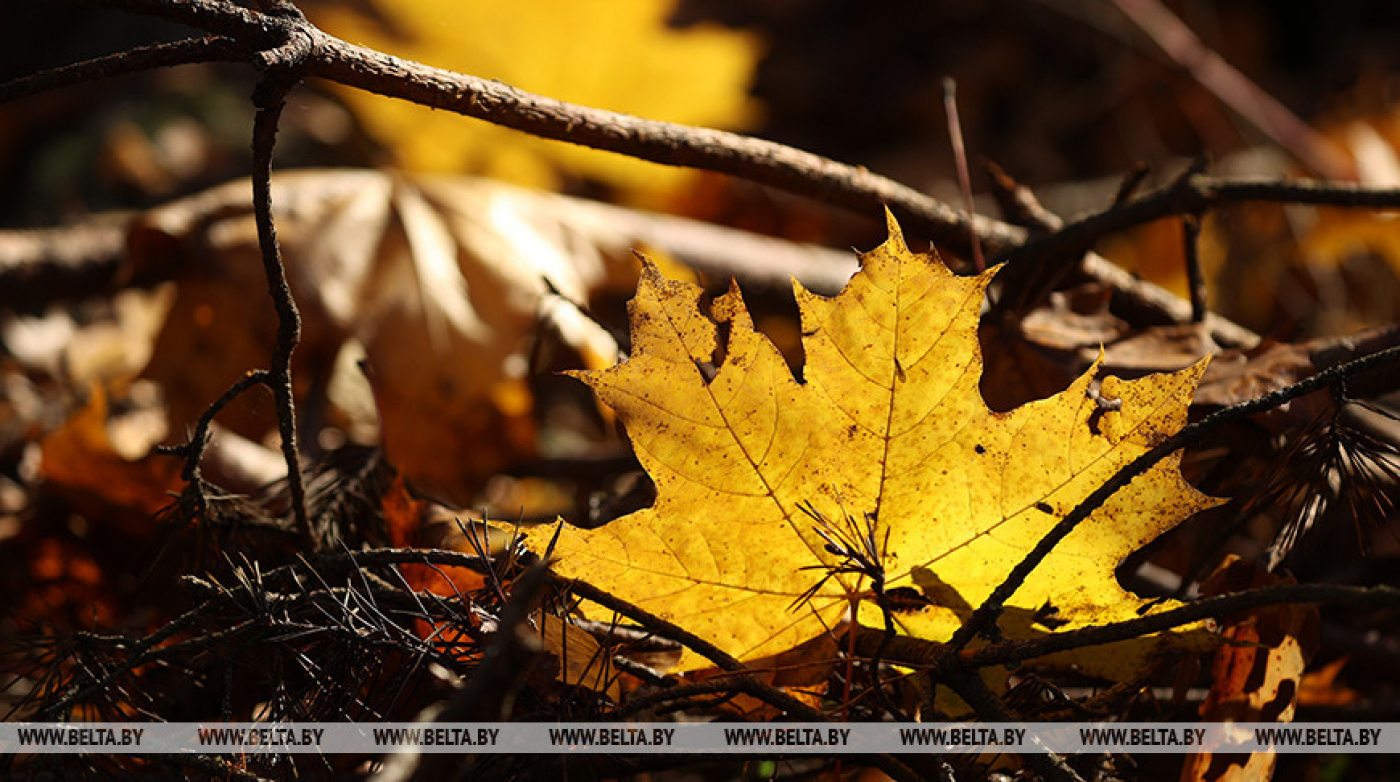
(970, 687)
(660, 142)
(933, 657)
(271, 96)
(193, 450)
(1208, 608)
(1192, 195)
(760, 161)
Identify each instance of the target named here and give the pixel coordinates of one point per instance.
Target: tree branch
(932, 656)
(970, 687)
(660, 142)
(1050, 256)
(765, 162)
(1192, 195)
(270, 97)
(1208, 608)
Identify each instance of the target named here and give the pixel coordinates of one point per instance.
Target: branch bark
(765, 162)
(933, 657)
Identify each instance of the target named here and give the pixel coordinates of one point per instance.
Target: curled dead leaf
(1257, 673)
(445, 283)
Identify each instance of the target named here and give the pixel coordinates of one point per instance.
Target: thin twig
(933, 657)
(1131, 182)
(1195, 278)
(657, 625)
(270, 97)
(193, 449)
(661, 142)
(1037, 265)
(950, 109)
(1235, 90)
(970, 687)
(1207, 608)
(1193, 195)
(141, 58)
(983, 619)
(1018, 203)
(136, 658)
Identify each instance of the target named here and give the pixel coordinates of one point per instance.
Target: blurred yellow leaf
(618, 55)
(1157, 253)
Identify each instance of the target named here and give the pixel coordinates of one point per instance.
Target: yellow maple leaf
(619, 55)
(888, 428)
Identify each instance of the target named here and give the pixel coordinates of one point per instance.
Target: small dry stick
(1235, 90)
(1017, 202)
(192, 451)
(1195, 278)
(950, 108)
(270, 97)
(1208, 608)
(970, 687)
(1055, 254)
(1131, 182)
